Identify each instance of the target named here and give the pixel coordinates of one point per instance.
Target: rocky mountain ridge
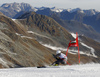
(77, 19)
(14, 10)
(18, 7)
(11, 9)
(23, 41)
(18, 48)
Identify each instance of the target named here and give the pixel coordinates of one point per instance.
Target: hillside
(81, 28)
(45, 26)
(21, 41)
(94, 21)
(60, 37)
(17, 49)
(86, 20)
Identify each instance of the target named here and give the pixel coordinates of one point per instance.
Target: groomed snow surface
(86, 70)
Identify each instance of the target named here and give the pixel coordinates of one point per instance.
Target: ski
(48, 67)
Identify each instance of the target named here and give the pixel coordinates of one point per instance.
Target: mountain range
(18, 7)
(24, 40)
(88, 17)
(91, 19)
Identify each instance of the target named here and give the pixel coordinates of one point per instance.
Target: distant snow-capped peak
(76, 9)
(17, 6)
(56, 9)
(40, 8)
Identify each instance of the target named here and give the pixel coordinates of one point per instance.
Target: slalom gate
(74, 44)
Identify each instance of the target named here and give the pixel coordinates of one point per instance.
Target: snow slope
(87, 70)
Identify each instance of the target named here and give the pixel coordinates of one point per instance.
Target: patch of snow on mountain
(18, 9)
(53, 47)
(22, 36)
(76, 9)
(73, 34)
(13, 19)
(92, 50)
(37, 34)
(82, 11)
(69, 10)
(56, 9)
(40, 8)
(71, 51)
(92, 11)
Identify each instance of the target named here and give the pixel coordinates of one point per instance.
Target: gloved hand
(57, 57)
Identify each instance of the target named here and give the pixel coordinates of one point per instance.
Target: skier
(60, 58)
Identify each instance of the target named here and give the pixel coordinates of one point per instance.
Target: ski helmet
(58, 52)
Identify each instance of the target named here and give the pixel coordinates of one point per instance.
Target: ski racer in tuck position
(60, 58)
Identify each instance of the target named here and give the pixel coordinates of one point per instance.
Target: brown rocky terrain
(21, 48)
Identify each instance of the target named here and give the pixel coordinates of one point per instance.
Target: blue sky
(83, 4)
